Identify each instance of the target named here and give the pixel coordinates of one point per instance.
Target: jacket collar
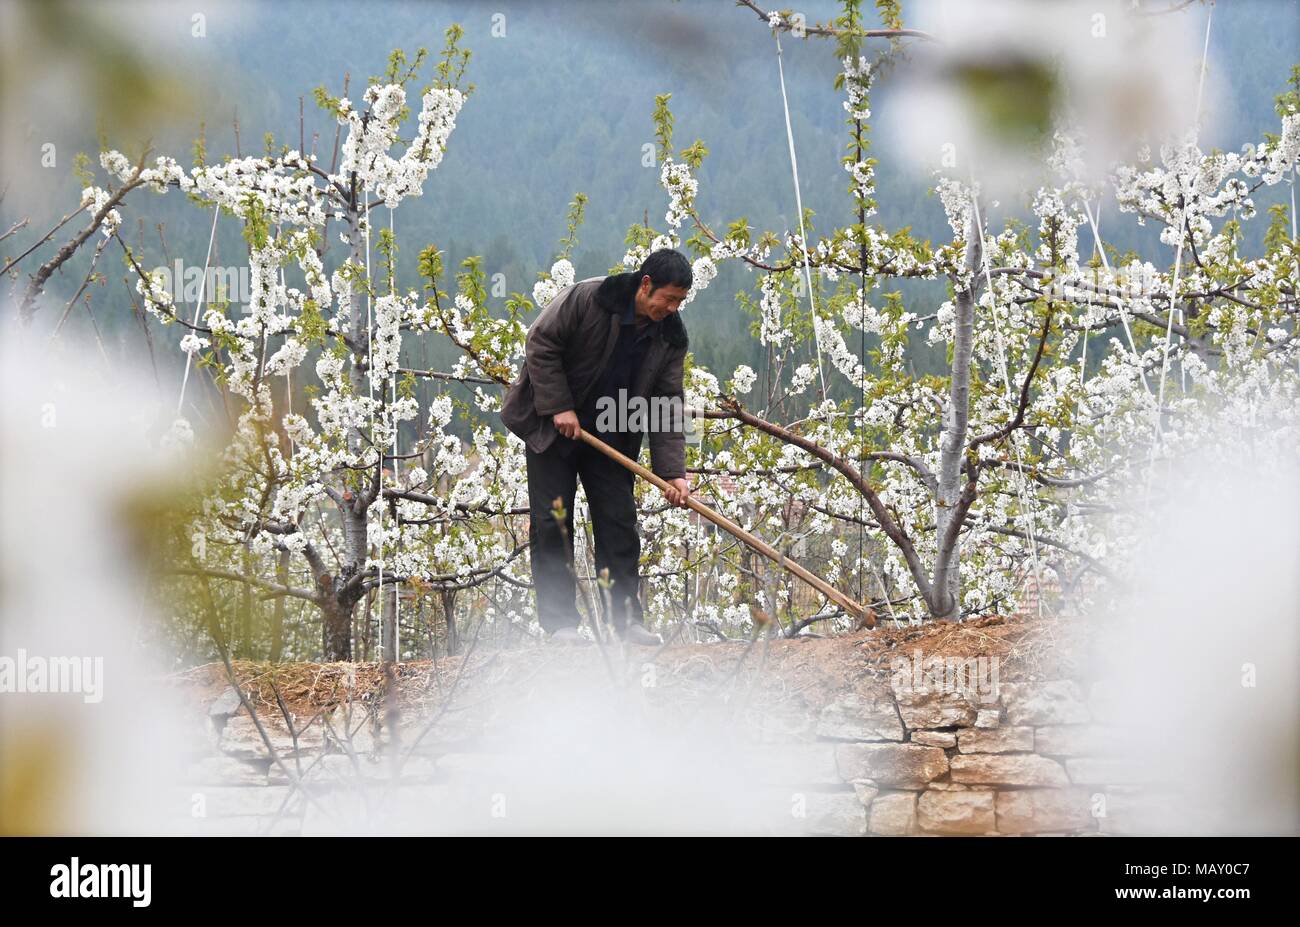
(616, 291)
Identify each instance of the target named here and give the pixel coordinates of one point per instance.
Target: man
(596, 338)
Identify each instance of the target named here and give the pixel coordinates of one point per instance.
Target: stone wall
(882, 757)
(1036, 758)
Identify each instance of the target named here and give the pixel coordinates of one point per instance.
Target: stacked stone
(1036, 758)
(1040, 757)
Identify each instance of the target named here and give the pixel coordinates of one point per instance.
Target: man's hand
(678, 492)
(566, 423)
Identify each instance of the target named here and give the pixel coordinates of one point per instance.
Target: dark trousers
(608, 485)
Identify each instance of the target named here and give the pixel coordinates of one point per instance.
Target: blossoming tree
(281, 469)
(1015, 458)
(954, 485)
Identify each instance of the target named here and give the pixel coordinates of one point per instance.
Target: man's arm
(544, 352)
(668, 448)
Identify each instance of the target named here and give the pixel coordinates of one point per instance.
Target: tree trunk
(337, 633)
(337, 636)
(244, 637)
(281, 605)
(449, 616)
(388, 608)
(945, 604)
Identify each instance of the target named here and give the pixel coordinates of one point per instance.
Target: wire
(397, 598)
(1119, 303)
(1028, 511)
(1158, 437)
(370, 392)
(198, 308)
(798, 201)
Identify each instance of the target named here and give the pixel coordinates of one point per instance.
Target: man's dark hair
(666, 267)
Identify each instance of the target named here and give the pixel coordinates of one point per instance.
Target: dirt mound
(816, 670)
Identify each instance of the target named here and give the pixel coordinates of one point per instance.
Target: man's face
(660, 304)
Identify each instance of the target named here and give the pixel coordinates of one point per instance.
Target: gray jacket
(566, 350)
